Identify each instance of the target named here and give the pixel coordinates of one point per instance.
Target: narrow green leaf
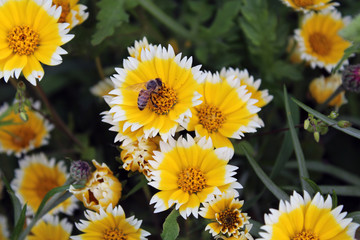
(334, 199)
(245, 144)
(171, 228)
(355, 48)
(351, 32)
(353, 191)
(255, 228)
(7, 112)
(283, 155)
(14, 199)
(273, 188)
(313, 185)
(298, 151)
(349, 130)
(19, 224)
(355, 216)
(136, 188)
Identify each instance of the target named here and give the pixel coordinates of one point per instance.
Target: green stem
(332, 96)
(165, 19)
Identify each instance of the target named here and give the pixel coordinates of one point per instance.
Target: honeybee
(147, 89)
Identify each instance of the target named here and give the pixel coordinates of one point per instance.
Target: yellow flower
(21, 137)
(71, 12)
(136, 155)
(110, 224)
(102, 88)
(52, 228)
(101, 189)
(321, 89)
(227, 111)
(4, 230)
(188, 173)
(138, 47)
(226, 215)
(36, 177)
(310, 5)
(319, 42)
(164, 110)
(306, 218)
(294, 51)
(30, 35)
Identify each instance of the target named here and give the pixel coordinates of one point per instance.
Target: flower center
(191, 180)
(23, 136)
(229, 220)
(305, 235)
(163, 101)
(303, 3)
(23, 40)
(114, 234)
(65, 9)
(320, 43)
(211, 117)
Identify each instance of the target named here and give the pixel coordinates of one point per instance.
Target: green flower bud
(317, 136)
(80, 170)
(306, 124)
(344, 124)
(333, 115)
(24, 116)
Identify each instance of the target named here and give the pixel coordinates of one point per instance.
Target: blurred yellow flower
(71, 12)
(50, 227)
(101, 189)
(321, 89)
(4, 230)
(36, 177)
(310, 5)
(28, 39)
(102, 88)
(21, 137)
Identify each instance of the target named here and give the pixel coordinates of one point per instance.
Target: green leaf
(351, 32)
(349, 130)
(7, 112)
(19, 224)
(343, 190)
(355, 48)
(334, 199)
(171, 228)
(14, 199)
(313, 185)
(355, 216)
(298, 151)
(283, 156)
(136, 188)
(7, 122)
(273, 188)
(238, 150)
(111, 15)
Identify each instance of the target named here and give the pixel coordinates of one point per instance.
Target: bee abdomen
(143, 99)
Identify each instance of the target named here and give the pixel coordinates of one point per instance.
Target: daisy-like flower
(139, 46)
(101, 189)
(102, 88)
(71, 12)
(306, 218)
(21, 137)
(110, 224)
(50, 227)
(227, 111)
(322, 88)
(310, 5)
(158, 111)
(137, 154)
(319, 42)
(4, 230)
(189, 173)
(30, 34)
(36, 177)
(226, 215)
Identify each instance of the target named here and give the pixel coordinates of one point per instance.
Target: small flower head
(189, 173)
(319, 42)
(4, 230)
(101, 189)
(19, 136)
(36, 177)
(110, 223)
(136, 155)
(80, 170)
(351, 78)
(102, 88)
(310, 5)
(321, 89)
(306, 218)
(71, 12)
(139, 46)
(50, 227)
(28, 39)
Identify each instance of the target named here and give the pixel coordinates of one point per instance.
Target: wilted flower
(80, 170)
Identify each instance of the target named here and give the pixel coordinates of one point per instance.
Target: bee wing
(137, 87)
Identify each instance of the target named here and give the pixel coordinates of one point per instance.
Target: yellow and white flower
(139, 46)
(4, 229)
(110, 224)
(101, 189)
(310, 5)
(319, 42)
(50, 227)
(102, 88)
(36, 177)
(19, 136)
(30, 34)
(226, 215)
(167, 108)
(306, 218)
(322, 88)
(227, 111)
(71, 12)
(189, 173)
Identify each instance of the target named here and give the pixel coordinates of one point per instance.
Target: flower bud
(306, 124)
(80, 170)
(317, 136)
(333, 115)
(351, 78)
(344, 124)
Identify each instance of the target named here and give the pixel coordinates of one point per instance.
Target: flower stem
(332, 96)
(99, 68)
(165, 19)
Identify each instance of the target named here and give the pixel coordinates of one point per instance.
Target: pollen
(65, 9)
(229, 220)
(303, 3)
(305, 235)
(114, 234)
(163, 101)
(191, 180)
(210, 117)
(23, 40)
(320, 43)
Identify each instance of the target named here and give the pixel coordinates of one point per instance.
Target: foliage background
(251, 34)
